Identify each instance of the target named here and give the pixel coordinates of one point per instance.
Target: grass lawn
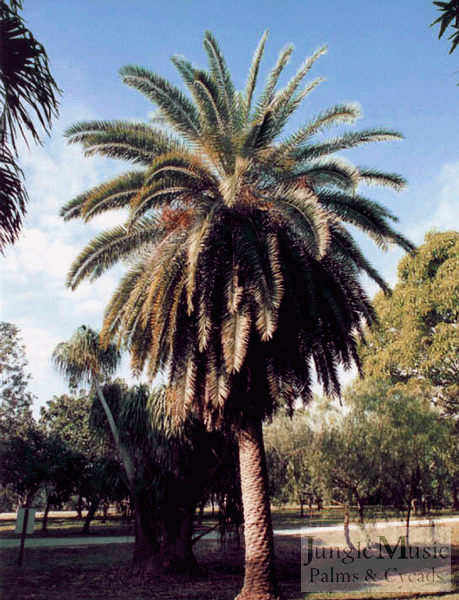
(104, 572)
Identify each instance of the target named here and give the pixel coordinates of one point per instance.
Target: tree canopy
(416, 340)
(15, 396)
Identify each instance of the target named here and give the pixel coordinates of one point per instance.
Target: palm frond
(134, 142)
(286, 101)
(26, 83)
(111, 246)
(236, 331)
(267, 94)
(372, 176)
(83, 356)
(343, 244)
(115, 194)
(220, 73)
(180, 112)
(330, 172)
(366, 215)
(300, 205)
(13, 199)
(282, 116)
(185, 168)
(343, 113)
(344, 142)
(253, 76)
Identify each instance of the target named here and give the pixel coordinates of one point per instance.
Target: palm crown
(243, 276)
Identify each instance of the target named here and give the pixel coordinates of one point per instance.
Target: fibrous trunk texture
(260, 580)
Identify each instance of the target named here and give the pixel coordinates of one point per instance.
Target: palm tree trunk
(108, 412)
(260, 580)
(146, 542)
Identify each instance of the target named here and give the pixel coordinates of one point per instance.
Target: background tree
(348, 458)
(27, 91)
(62, 467)
(83, 359)
(15, 398)
(290, 448)
(24, 465)
(414, 445)
(231, 228)
(416, 340)
(68, 417)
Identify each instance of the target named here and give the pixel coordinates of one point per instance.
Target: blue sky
(382, 55)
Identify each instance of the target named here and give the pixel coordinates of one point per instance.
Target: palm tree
(83, 359)
(26, 88)
(243, 277)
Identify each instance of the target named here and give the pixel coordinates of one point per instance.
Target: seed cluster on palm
(243, 275)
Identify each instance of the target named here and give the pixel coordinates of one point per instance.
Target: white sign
(20, 520)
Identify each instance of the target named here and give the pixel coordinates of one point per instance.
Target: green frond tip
(219, 69)
(253, 74)
(371, 176)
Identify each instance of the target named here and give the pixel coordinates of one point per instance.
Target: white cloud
(36, 252)
(443, 196)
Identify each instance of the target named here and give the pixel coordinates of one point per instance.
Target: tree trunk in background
(454, 491)
(260, 579)
(146, 539)
(79, 507)
(44, 523)
(93, 506)
(176, 554)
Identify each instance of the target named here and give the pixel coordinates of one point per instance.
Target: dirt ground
(106, 574)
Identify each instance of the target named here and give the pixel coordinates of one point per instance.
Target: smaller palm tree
(82, 360)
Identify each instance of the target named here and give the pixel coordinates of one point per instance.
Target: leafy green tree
(348, 458)
(243, 276)
(15, 398)
(62, 468)
(290, 447)
(35, 462)
(101, 482)
(22, 466)
(413, 449)
(27, 90)
(68, 417)
(416, 340)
